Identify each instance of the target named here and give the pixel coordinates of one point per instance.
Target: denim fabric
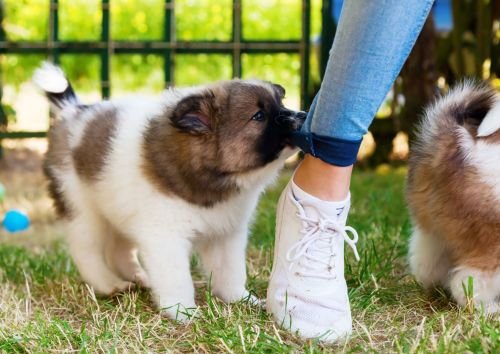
(373, 40)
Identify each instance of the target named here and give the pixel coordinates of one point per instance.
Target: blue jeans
(372, 42)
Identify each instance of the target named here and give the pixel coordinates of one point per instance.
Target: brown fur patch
(90, 155)
(447, 198)
(57, 158)
(196, 148)
(183, 163)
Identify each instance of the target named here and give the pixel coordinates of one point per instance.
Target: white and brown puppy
(142, 181)
(454, 196)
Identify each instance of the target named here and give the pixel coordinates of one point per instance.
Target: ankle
(322, 180)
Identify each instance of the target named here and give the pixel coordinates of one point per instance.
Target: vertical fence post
(53, 36)
(236, 38)
(3, 116)
(52, 39)
(169, 37)
(305, 54)
(106, 51)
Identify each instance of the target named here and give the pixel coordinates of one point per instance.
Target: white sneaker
(307, 291)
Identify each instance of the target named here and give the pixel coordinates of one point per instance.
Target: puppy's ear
(491, 122)
(194, 114)
(194, 123)
(280, 90)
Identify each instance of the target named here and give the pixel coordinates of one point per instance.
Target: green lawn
(44, 307)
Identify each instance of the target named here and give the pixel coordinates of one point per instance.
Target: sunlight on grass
(44, 307)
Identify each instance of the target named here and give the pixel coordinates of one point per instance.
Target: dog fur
(141, 182)
(453, 194)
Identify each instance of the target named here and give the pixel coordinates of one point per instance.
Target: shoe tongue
(316, 208)
(334, 211)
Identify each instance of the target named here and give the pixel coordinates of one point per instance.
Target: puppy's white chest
(226, 218)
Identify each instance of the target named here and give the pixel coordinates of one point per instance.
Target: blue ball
(15, 220)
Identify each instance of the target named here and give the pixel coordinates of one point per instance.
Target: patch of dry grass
(44, 307)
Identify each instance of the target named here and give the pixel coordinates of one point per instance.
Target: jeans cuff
(334, 151)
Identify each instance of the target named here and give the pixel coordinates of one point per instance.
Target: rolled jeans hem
(334, 151)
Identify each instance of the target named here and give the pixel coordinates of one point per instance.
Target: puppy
(453, 194)
(141, 182)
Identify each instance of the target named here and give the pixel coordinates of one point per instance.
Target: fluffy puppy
(453, 194)
(143, 181)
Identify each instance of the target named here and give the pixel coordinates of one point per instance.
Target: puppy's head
(237, 126)
(214, 140)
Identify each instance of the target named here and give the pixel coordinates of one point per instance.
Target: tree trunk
(419, 76)
(484, 27)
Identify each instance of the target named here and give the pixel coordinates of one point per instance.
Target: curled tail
(468, 107)
(53, 82)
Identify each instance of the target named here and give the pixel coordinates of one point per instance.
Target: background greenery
(441, 57)
(80, 20)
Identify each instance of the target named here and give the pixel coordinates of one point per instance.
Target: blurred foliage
(135, 20)
(280, 68)
(84, 69)
(27, 20)
(10, 113)
(197, 20)
(192, 69)
(85, 20)
(17, 69)
(151, 73)
(272, 19)
(204, 20)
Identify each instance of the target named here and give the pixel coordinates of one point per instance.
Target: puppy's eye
(259, 116)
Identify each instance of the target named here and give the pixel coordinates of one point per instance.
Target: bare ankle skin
(322, 180)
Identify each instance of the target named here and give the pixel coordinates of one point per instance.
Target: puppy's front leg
(224, 260)
(166, 259)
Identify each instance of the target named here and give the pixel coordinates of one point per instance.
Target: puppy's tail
(53, 82)
(471, 108)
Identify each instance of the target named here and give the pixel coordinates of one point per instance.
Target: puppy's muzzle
(290, 120)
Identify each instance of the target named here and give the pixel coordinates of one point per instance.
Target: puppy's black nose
(292, 120)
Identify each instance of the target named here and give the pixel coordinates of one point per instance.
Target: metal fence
(168, 47)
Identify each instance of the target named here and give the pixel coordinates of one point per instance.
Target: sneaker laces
(315, 250)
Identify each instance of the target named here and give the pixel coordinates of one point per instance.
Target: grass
(44, 307)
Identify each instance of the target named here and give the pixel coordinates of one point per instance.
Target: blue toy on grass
(15, 220)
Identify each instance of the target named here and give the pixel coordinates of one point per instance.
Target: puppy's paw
(241, 295)
(180, 313)
(142, 279)
(474, 287)
(113, 289)
(254, 300)
(492, 308)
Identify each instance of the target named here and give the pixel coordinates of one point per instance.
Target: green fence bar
(167, 47)
(105, 52)
(53, 37)
(168, 30)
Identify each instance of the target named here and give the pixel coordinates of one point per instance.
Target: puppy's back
(452, 188)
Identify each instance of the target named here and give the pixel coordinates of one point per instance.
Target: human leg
(372, 42)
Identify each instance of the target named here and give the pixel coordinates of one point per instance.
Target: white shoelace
(315, 250)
